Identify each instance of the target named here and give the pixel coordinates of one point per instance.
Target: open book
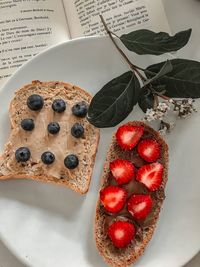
(29, 26)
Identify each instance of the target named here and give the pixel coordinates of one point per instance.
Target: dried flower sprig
(157, 113)
(165, 127)
(182, 108)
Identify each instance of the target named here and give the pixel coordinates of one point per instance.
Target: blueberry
(59, 105)
(35, 102)
(77, 130)
(71, 161)
(27, 124)
(53, 128)
(22, 154)
(80, 109)
(47, 158)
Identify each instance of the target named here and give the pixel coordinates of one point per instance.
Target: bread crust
(131, 254)
(51, 179)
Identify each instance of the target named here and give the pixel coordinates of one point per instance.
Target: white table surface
(182, 14)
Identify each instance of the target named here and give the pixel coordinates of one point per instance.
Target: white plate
(47, 226)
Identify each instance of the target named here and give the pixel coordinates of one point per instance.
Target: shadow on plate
(8, 259)
(57, 200)
(93, 255)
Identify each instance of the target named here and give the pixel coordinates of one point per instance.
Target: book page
(26, 28)
(121, 16)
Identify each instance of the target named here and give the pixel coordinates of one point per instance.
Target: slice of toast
(144, 229)
(40, 140)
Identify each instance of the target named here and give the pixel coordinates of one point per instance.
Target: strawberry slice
(149, 150)
(122, 170)
(151, 175)
(128, 136)
(121, 233)
(113, 198)
(139, 206)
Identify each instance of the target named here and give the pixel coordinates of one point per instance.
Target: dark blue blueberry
(59, 105)
(71, 161)
(53, 128)
(35, 102)
(77, 130)
(80, 109)
(22, 154)
(47, 158)
(27, 124)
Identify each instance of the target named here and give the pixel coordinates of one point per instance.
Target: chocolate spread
(132, 187)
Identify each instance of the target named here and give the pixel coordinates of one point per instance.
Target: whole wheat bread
(129, 255)
(40, 141)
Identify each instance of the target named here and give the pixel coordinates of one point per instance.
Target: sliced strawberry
(121, 233)
(149, 150)
(113, 198)
(128, 136)
(139, 206)
(151, 175)
(122, 170)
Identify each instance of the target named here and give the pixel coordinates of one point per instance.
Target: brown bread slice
(145, 229)
(39, 140)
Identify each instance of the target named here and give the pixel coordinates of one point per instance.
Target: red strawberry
(122, 170)
(128, 136)
(121, 233)
(113, 198)
(149, 150)
(151, 175)
(139, 206)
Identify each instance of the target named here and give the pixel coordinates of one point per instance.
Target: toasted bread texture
(144, 229)
(39, 140)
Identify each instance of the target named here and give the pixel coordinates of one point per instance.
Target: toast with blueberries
(51, 140)
(132, 193)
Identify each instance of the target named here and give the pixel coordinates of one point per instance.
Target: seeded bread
(39, 140)
(144, 230)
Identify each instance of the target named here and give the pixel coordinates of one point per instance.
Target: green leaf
(166, 68)
(144, 42)
(161, 88)
(146, 99)
(114, 101)
(182, 82)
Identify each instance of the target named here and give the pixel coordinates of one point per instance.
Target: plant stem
(159, 94)
(133, 67)
(113, 33)
(156, 101)
(163, 96)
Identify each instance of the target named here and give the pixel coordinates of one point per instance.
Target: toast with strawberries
(132, 193)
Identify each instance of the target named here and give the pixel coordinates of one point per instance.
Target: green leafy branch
(177, 78)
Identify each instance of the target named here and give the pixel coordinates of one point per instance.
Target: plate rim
(45, 51)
